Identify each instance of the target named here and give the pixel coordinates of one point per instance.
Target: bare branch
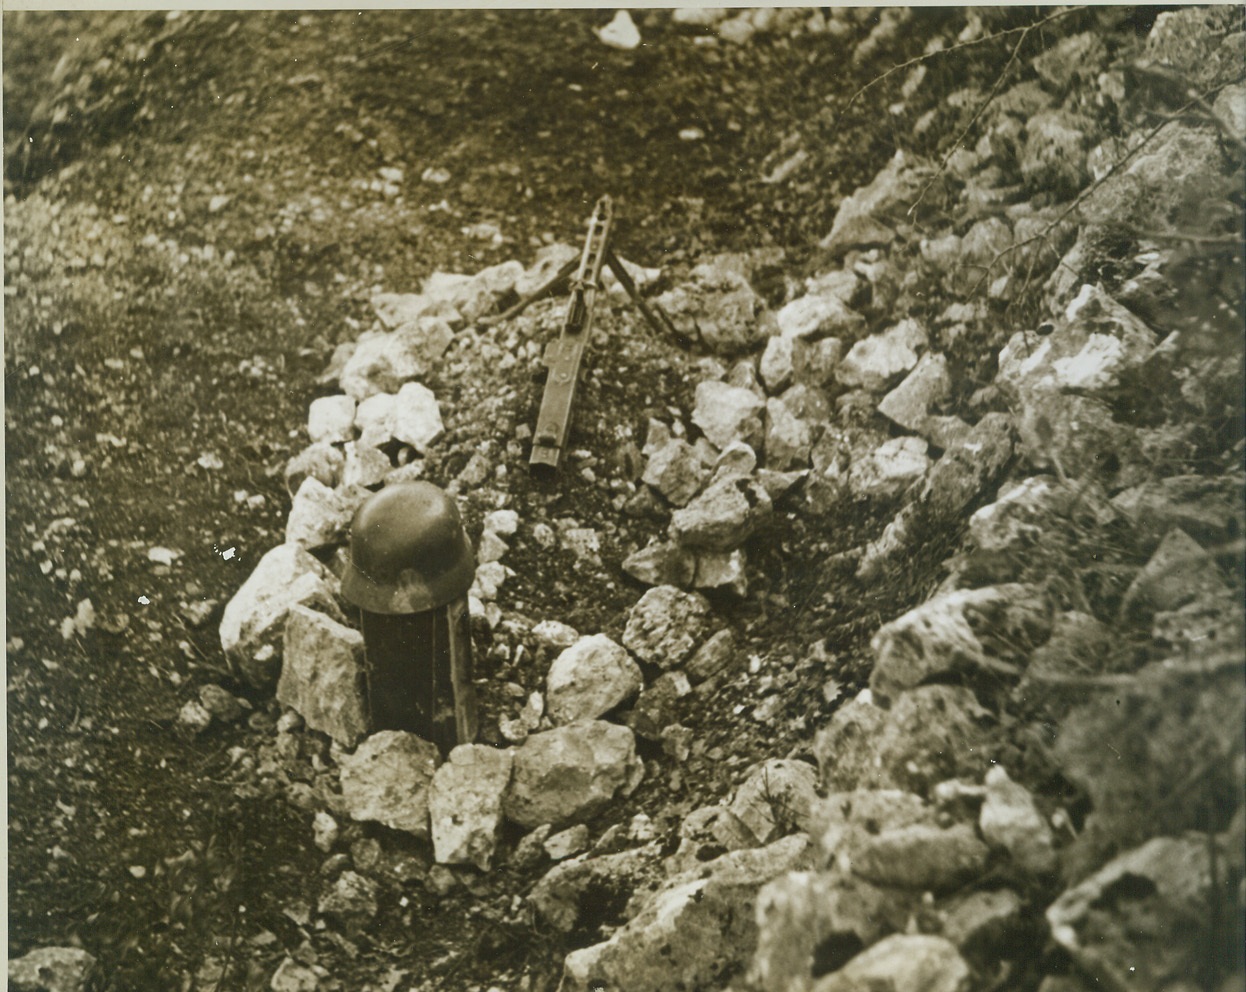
(928, 56)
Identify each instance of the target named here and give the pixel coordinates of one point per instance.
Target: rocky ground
(883, 628)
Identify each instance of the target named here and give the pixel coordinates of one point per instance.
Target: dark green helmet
(408, 551)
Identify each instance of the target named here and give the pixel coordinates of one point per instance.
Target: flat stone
(888, 194)
(922, 856)
(717, 654)
(1208, 509)
(1162, 887)
(253, 623)
(571, 772)
(323, 675)
(388, 780)
(736, 461)
(555, 635)
(666, 625)
(396, 309)
(930, 734)
(567, 842)
(573, 889)
(465, 804)
(331, 418)
(728, 413)
(590, 678)
(1178, 573)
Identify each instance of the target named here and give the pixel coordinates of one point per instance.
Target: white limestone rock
(416, 417)
(571, 772)
(1010, 821)
(940, 636)
(331, 418)
(775, 798)
(590, 678)
(675, 471)
(909, 403)
(728, 413)
(53, 969)
(903, 963)
(789, 439)
(365, 465)
(723, 517)
(698, 926)
(890, 469)
(320, 516)
(322, 675)
(818, 316)
(776, 364)
(388, 778)
(374, 419)
(465, 804)
(666, 625)
(253, 624)
(878, 361)
(661, 563)
(722, 571)
(383, 362)
(322, 461)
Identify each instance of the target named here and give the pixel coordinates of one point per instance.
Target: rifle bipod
(565, 355)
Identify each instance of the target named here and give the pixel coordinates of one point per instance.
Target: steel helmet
(408, 551)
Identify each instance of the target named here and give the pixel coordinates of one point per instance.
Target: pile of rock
(925, 861)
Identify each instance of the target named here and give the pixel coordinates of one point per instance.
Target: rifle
(565, 356)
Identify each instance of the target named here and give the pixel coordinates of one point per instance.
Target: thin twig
(990, 97)
(1085, 194)
(928, 56)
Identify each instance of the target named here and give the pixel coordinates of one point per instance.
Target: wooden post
(419, 673)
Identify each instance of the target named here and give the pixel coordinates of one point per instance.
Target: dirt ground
(199, 208)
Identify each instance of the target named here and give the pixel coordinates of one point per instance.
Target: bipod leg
(658, 320)
(532, 297)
